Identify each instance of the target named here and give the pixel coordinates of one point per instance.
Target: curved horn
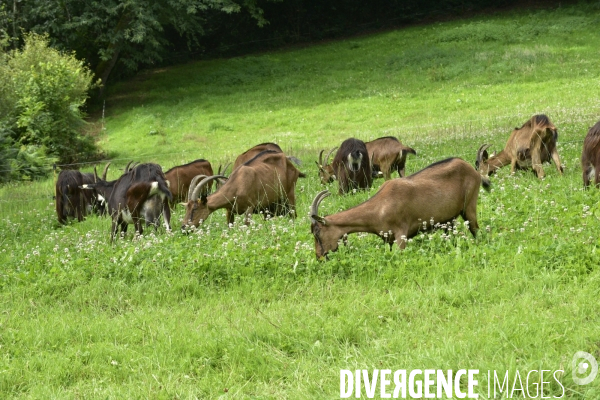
(95, 175)
(328, 154)
(314, 208)
(105, 171)
(135, 164)
(481, 150)
(127, 167)
(321, 157)
(203, 183)
(193, 185)
(222, 172)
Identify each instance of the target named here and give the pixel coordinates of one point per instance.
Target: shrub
(41, 94)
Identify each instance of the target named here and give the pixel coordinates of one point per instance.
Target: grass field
(249, 312)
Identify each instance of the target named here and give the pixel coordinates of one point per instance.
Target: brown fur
(403, 207)
(590, 157)
(253, 152)
(133, 194)
(388, 154)
(179, 178)
(527, 147)
(265, 183)
(352, 177)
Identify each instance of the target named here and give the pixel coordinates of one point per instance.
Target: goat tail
(486, 183)
(164, 187)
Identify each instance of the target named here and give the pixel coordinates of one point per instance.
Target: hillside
(248, 311)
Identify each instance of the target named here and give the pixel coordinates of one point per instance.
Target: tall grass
(248, 312)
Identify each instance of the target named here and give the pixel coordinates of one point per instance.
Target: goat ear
(318, 219)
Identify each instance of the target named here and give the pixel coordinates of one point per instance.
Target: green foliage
(248, 312)
(42, 92)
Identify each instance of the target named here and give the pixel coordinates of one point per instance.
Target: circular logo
(585, 368)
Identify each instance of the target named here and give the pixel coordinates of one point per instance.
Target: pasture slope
(249, 312)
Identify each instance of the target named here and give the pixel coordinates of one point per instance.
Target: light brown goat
(590, 158)
(265, 183)
(403, 207)
(388, 154)
(254, 151)
(527, 147)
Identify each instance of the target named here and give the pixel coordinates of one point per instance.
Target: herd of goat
(263, 180)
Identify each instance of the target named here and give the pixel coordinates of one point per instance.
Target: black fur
(349, 179)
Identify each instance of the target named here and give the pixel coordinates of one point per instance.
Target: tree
(129, 33)
(42, 91)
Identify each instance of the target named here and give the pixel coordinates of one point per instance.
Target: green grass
(249, 312)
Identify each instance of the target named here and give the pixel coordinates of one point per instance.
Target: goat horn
(127, 167)
(193, 185)
(95, 175)
(321, 157)
(328, 154)
(105, 171)
(135, 164)
(481, 150)
(225, 168)
(314, 208)
(203, 183)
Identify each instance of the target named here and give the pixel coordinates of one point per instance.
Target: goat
(326, 173)
(254, 151)
(590, 157)
(351, 166)
(141, 194)
(70, 200)
(388, 154)
(403, 207)
(179, 178)
(527, 147)
(264, 183)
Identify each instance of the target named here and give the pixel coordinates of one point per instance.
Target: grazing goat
(265, 183)
(141, 194)
(70, 200)
(326, 173)
(527, 147)
(254, 151)
(590, 158)
(179, 178)
(388, 154)
(351, 166)
(403, 207)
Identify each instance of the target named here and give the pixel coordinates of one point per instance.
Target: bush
(41, 94)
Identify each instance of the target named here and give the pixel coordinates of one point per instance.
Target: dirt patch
(194, 137)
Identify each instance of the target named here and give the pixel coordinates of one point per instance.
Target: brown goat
(326, 173)
(403, 207)
(179, 178)
(351, 166)
(590, 158)
(265, 183)
(254, 151)
(388, 154)
(527, 147)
